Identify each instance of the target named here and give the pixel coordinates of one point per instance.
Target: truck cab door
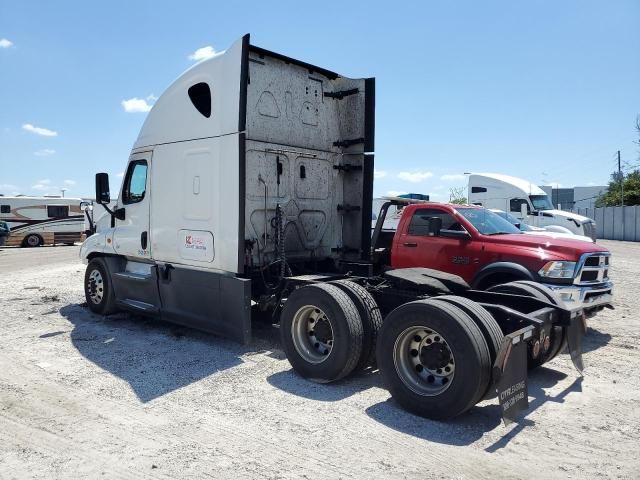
(417, 247)
(131, 235)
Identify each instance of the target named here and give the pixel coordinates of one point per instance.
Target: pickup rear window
(419, 224)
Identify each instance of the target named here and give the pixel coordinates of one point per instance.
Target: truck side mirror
(435, 225)
(103, 196)
(524, 209)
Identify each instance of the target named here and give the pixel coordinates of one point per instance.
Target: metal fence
(615, 223)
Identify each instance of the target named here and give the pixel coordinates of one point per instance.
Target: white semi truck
(249, 190)
(527, 202)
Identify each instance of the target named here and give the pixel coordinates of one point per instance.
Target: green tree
(457, 195)
(631, 181)
(613, 196)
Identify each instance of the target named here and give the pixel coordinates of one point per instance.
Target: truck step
(138, 305)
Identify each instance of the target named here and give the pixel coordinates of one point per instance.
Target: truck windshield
(487, 222)
(541, 202)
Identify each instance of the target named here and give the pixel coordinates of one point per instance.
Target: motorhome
(37, 221)
(526, 201)
(249, 191)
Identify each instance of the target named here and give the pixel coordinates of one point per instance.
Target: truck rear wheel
(321, 332)
(370, 316)
(557, 339)
(97, 288)
(488, 326)
(433, 358)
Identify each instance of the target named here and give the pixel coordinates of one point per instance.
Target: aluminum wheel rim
(312, 334)
(95, 287)
(32, 240)
(424, 361)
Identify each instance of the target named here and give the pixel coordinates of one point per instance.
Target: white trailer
(526, 201)
(36, 221)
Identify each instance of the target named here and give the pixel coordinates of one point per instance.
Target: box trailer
(249, 192)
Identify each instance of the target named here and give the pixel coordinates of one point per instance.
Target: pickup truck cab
(486, 250)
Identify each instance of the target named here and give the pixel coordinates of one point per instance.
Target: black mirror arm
(117, 213)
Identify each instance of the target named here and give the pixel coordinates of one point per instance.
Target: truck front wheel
(433, 359)
(321, 332)
(97, 288)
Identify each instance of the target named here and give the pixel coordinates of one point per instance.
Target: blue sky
(544, 90)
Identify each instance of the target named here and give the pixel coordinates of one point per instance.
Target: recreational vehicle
(37, 221)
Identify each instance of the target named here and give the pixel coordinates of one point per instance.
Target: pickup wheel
(97, 288)
(486, 323)
(371, 319)
(557, 339)
(433, 358)
(321, 332)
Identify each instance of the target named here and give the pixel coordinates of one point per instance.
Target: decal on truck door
(196, 245)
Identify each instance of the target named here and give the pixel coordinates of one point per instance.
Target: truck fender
(502, 267)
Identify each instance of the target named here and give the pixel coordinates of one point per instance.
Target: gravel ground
(83, 396)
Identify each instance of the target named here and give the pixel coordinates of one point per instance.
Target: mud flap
(510, 370)
(575, 333)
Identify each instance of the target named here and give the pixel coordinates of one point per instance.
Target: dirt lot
(125, 397)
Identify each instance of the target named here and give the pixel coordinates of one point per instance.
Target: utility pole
(621, 177)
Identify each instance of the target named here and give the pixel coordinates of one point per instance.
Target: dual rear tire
(435, 355)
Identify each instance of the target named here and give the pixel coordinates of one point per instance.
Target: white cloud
(46, 181)
(135, 105)
(452, 177)
(415, 177)
(4, 43)
(202, 53)
(5, 187)
(45, 132)
(379, 174)
(41, 186)
(45, 152)
(70, 182)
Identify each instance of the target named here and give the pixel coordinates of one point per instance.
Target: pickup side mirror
(435, 226)
(103, 196)
(524, 210)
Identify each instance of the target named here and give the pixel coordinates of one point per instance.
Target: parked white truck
(526, 201)
(249, 190)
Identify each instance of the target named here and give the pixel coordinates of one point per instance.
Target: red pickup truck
(486, 250)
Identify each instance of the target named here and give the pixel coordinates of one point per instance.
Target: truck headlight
(558, 269)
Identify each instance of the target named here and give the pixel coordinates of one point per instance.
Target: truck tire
(370, 316)
(321, 332)
(488, 326)
(32, 240)
(433, 358)
(536, 290)
(97, 288)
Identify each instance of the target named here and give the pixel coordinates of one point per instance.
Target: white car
(553, 231)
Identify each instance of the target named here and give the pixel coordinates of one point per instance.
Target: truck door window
(514, 205)
(57, 211)
(419, 224)
(135, 184)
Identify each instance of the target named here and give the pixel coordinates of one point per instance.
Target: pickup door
(417, 247)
